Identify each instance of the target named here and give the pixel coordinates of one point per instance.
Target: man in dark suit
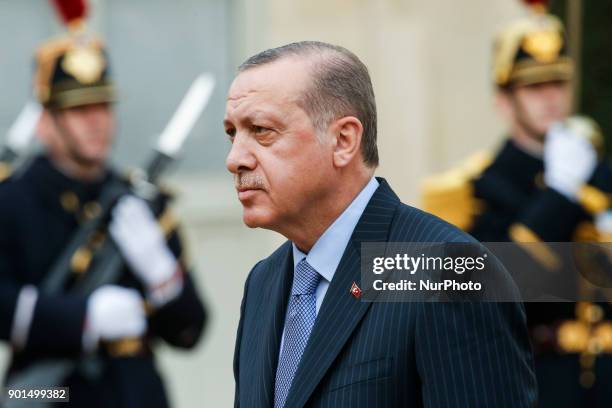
(302, 122)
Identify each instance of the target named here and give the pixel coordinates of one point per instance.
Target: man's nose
(98, 116)
(240, 157)
(553, 89)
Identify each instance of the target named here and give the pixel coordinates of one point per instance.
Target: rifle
(108, 269)
(142, 181)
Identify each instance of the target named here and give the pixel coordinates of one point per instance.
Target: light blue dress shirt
(326, 253)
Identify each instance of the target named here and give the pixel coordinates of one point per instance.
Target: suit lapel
(280, 274)
(341, 312)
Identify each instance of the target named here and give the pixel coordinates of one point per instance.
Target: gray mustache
(249, 180)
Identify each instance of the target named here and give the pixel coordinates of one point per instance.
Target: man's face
(86, 132)
(536, 107)
(280, 165)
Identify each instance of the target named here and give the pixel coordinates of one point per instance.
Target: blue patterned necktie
(301, 315)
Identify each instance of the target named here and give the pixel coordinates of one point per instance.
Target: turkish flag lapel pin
(355, 291)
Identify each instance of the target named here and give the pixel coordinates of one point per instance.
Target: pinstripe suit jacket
(363, 354)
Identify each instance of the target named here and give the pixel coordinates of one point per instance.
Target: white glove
(113, 312)
(144, 247)
(569, 161)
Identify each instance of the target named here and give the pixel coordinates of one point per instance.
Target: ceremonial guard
(549, 182)
(95, 336)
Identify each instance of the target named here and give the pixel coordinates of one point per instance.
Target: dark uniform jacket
(39, 212)
(514, 197)
(513, 191)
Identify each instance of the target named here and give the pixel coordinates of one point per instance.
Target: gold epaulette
(450, 195)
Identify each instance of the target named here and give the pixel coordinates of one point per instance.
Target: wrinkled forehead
(279, 84)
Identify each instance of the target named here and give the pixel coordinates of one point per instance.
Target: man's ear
(504, 104)
(347, 133)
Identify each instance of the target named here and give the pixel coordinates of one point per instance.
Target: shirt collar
(326, 253)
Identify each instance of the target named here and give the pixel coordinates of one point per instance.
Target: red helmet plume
(70, 10)
(537, 4)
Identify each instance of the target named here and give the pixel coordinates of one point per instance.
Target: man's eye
(231, 132)
(259, 129)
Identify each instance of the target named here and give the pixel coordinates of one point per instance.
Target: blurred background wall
(429, 62)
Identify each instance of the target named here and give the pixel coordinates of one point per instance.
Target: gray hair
(341, 86)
